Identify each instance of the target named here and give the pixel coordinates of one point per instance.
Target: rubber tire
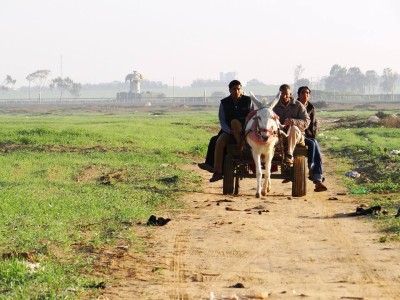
(299, 182)
(227, 188)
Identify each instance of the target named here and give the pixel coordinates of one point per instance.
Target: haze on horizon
(177, 41)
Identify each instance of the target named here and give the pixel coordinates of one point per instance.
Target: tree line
(352, 80)
(340, 80)
(40, 78)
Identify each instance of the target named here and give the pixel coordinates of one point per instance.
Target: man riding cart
(232, 115)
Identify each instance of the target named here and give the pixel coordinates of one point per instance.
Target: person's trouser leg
(317, 167)
(237, 127)
(310, 152)
(223, 140)
(211, 151)
(294, 137)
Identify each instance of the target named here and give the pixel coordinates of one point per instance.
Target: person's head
(303, 94)
(235, 89)
(286, 93)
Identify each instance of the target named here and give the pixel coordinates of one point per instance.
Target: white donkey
(261, 133)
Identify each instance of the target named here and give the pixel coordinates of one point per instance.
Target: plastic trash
(212, 296)
(395, 152)
(359, 191)
(352, 174)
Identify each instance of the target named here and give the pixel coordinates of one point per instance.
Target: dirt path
(278, 247)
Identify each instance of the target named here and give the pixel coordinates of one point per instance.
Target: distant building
(227, 76)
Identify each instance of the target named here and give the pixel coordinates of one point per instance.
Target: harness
(255, 130)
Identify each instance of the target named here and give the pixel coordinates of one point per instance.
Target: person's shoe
(288, 158)
(310, 175)
(320, 187)
(216, 177)
(206, 167)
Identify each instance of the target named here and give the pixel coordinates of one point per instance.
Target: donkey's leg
(257, 161)
(267, 177)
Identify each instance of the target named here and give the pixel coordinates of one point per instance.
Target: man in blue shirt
(232, 114)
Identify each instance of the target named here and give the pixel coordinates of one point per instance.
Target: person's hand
(289, 122)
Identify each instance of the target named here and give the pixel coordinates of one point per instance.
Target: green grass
(353, 113)
(369, 151)
(357, 146)
(73, 183)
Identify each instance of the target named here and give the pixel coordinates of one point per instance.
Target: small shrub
(391, 122)
(381, 115)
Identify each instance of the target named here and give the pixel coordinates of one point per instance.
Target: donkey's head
(265, 118)
(266, 123)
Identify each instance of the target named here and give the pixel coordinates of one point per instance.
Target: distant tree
(302, 82)
(355, 80)
(388, 80)
(218, 94)
(255, 82)
(75, 89)
(62, 84)
(65, 85)
(8, 83)
(206, 83)
(337, 79)
(40, 78)
(298, 71)
(371, 80)
(153, 84)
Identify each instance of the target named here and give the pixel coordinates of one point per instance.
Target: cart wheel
(227, 188)
(299, 183)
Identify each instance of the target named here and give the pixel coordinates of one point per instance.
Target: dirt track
(277, 247)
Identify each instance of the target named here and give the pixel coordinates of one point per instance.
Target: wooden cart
(241, 165)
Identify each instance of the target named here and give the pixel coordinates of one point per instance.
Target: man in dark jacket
(208, 165)
(232, 114)
(313, 152)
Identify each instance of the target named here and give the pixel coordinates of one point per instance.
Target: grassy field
(368, 148)
(72, 184)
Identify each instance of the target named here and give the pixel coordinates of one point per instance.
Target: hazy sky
(104, 40)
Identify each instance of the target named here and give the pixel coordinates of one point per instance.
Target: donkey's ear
(275, 101)
(257, 102)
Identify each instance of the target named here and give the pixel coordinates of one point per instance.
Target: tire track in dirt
(179, 248)
(372, 268)
(288, 247)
